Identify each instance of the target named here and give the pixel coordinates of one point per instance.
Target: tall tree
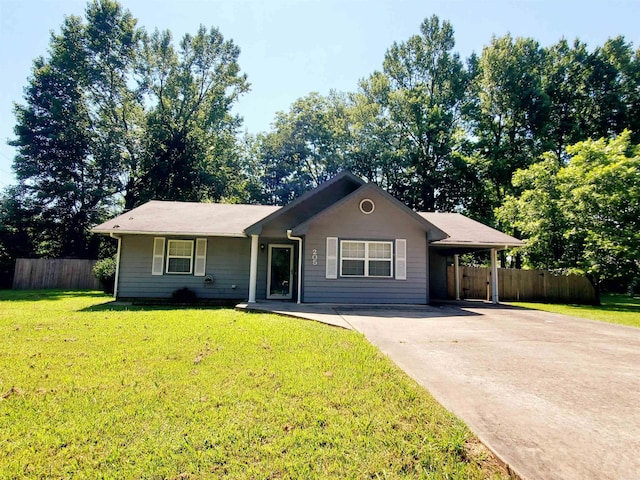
(308, 145)
(510, 122)
(114, 114)
(613, 89)
(564, 77)
(112, 45)
(426, 87)
(56, 166)
(377, 147)
(190, 141)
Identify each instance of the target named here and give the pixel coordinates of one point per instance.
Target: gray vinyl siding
(308, 208)
(227, 262)
(437, 275)
(346, 222)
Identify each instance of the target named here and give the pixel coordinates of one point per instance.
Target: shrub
(105, 271)
(184, 295)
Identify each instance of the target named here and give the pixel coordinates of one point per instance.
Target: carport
(465, 236)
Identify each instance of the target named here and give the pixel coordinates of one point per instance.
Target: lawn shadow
(425, 312)
(619, 303)
(49, 295)
(120, 306)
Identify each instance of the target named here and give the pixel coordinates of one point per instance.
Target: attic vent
(367, 206)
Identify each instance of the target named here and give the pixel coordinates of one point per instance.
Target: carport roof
(467, 233)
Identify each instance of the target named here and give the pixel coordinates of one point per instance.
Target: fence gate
(522, 285)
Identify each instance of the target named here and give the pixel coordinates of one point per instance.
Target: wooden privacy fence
(63, 273)
(522, 285)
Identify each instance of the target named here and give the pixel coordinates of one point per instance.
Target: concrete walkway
(324, 313)
(555, 397)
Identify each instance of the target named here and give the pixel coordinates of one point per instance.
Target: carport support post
(494, 276)
(456, 274)
(253, 269)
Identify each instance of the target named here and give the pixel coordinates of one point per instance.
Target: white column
(456, 274)
(494, 276)
(253, 269)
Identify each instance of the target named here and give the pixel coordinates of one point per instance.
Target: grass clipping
(194, 393)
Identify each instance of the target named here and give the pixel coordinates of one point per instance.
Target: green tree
(426, 85)
(377, 147)
(57, 170)
(600, 192)
(584, 216)
(190, 150)
(112, 44)
(509, 123)
(113, 115)
(17, 231)
(307, 146)
(537, 213)
(565, 76)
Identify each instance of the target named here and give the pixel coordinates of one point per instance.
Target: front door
(280, 272)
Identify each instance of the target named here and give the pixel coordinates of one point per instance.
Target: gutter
(115, 282)
(299, 239)
(166, 233)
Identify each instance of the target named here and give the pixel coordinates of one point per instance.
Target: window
(367, 206)
(179, 256)
(366, 259)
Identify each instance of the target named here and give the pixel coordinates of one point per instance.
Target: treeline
(114, 116)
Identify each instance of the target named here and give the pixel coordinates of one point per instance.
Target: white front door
(280, 272)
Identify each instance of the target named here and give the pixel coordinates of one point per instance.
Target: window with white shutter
(158, 256)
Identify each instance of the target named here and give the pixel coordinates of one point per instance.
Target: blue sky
(290, 48)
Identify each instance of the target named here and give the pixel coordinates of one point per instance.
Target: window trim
(169, 256)
(367, 259)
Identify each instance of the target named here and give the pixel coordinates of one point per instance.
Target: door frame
(291, 265)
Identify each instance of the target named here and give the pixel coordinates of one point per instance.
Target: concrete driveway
(554, 396)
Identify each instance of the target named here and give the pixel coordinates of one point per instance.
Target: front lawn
(88, 390)
(620, 309)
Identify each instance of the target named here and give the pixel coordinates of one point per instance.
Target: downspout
(115, 282)
(299, 239)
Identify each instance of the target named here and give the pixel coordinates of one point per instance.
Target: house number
(314, 256)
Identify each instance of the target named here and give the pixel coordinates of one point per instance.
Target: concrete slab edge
(243, 307)
(511, 471)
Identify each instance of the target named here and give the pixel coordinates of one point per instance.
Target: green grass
(88, 390)
(620, 309)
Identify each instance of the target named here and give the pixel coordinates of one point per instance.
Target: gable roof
(465, 232)
(156, 217)
(343, 177)
(187, 218)
(435, 232)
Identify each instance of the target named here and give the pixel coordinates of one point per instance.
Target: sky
(290, 48)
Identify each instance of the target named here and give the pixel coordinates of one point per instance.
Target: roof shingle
(187, 218)
(464, 231)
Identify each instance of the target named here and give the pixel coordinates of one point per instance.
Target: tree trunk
(596, 287)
